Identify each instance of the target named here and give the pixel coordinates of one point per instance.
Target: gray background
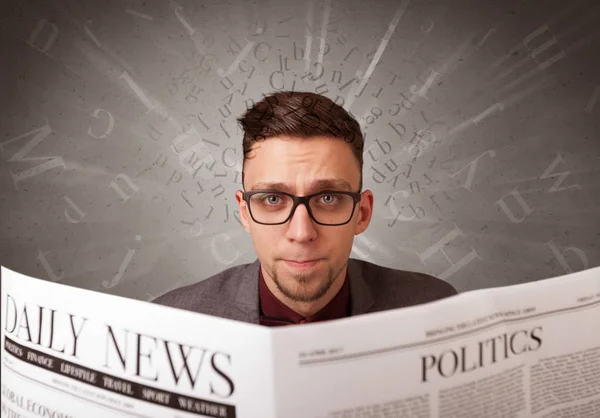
(120, 154)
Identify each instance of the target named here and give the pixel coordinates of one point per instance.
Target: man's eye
(271, 198)
(328, 198)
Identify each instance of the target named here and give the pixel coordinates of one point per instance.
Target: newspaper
(529, 350)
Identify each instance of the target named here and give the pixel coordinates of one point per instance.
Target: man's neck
(307, 308)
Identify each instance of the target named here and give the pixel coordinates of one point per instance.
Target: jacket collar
(247, 300)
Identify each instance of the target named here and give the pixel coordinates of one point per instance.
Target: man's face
(298, 163)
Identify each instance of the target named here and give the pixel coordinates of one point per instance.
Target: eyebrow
(331, 184)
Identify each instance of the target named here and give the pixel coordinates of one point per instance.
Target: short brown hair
(302, 115)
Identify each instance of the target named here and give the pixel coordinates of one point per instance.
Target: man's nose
(302, 227)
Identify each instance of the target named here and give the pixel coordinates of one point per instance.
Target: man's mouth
(301, 263)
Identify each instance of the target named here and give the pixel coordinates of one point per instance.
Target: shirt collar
(274, 312)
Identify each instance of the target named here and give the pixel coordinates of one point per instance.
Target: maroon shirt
(274, 313)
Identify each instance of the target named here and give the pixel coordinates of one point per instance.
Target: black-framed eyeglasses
(330, 208)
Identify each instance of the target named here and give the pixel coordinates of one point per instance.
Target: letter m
(38, 135)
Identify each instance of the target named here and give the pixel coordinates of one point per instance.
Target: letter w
(49, 162)
(184, 355)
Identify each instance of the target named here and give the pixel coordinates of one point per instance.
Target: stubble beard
(303, 279)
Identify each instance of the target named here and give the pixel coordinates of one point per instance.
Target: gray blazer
(233, 293)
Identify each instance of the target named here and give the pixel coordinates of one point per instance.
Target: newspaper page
(69, 352)
(529, 350)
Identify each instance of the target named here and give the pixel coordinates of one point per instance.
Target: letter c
(256, 49)
(223, 157)
(271, 80)
(216, 254)
(511, 342)
(111, 124)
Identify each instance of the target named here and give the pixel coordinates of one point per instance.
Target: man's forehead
(310, 165)
(314, 184)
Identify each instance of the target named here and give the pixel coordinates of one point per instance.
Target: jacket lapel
(246, 303)
(361, 296)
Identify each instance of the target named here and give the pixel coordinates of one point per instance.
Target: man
(302, 205)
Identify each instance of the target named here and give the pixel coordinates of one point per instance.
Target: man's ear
(244, 215)
(365, 212)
